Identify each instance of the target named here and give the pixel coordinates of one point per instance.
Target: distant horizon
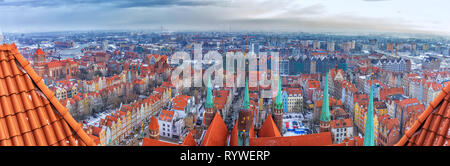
(379, 34)
(318, 16)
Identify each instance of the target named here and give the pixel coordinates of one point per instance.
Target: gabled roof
(217, 133)
(30, 114)
(432, 126)
(319, 139)
(189, 140)
(269, 129)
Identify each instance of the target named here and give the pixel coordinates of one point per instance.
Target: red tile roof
(153, 142)
(166, 115)
(30, 114)
(333, 102)
(356, 141)
(313, 84)
(432, 126)
(269, 129)
(95, 139)
(217, 133)
(39, 52)
(319, 139)
(391, 91)
(340, 123)
(153, 124)
(410, 102)
(189, 140)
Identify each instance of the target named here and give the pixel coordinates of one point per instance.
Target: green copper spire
(279, 101)
(246, 104)
(325, 113)
(209, 99)
(369, 129)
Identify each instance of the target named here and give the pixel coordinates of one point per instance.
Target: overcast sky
(413, 16)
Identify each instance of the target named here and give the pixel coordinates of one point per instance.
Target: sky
(402, 16)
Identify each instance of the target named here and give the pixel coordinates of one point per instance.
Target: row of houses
(115, 127)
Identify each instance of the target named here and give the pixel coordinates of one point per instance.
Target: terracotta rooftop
(152, 142)
(217, 133)
(432, 126)
(356, 141)
(333, 102)
(340, 123)
(95, 139)
(269, 129)
(313, 84)
(30, 114)
(319, 139)
(166, 115)
(39, 52)
(189, 140)
(153, 124)
(390, 91)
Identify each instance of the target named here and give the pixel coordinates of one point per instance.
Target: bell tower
(245, 120)
(278, 108)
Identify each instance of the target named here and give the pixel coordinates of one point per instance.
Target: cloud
(239, 15)
(375, 0)
(111, 3)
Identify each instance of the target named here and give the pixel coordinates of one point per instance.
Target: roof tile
(26, 115)
(432, 126)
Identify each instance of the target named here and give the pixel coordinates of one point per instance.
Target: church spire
(246, 103)
(209, 106)
(245, 120)
(325, 113)
(369, 128)
(209, 99)
(278, 100)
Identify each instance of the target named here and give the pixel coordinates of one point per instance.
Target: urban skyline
(224, 73)
(350, 16)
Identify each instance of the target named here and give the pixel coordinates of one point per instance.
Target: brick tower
(245, 120)
(278, 108)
